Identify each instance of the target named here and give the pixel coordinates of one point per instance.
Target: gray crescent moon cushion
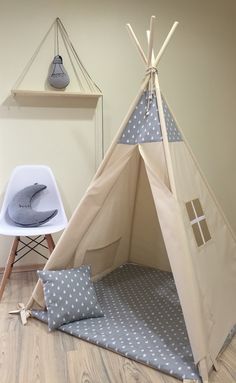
(21, 212)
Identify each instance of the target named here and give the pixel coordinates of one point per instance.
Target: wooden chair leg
(9, 265)
(50, 242)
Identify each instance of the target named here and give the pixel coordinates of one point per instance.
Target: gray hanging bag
(58, 76)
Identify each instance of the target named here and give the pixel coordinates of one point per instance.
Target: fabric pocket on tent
(101, 259)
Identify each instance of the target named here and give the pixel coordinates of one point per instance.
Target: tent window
(198, 222)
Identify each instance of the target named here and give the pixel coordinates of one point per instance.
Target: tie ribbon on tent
(23, 312)
(151, 72)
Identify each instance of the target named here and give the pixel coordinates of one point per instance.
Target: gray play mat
(143, 320)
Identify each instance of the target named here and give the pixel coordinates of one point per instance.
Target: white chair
(49, 199)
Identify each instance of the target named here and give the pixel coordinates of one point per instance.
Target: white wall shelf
(53, 93)
(33, 90)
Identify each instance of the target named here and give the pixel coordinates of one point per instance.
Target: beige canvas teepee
(150, 204)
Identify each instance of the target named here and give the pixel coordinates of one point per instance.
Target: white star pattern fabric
(144, 123)
(69, 296)
(143, 320)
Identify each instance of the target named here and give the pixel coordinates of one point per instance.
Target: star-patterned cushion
(69, 296)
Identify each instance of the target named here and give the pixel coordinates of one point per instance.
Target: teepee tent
(149, 204)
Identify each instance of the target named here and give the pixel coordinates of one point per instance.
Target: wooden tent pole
(163, 124)
(166, 42)
(137, 44)
(161, 111)
(162, 115)
(150, 41)
(165, 137)
(152, 55)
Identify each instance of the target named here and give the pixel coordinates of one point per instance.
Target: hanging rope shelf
(58, 78)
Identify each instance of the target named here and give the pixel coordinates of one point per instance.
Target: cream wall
(197, 75)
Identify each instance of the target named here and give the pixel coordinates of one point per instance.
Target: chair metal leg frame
(17, 252)
(27, 245)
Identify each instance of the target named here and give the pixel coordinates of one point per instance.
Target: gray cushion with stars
(69, 296)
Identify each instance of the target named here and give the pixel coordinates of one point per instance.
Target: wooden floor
(29, 354)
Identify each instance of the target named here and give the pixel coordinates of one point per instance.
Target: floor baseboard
(24, 268)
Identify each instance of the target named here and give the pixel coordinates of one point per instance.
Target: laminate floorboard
(30, 354)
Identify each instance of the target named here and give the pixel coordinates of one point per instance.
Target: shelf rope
(60, 31)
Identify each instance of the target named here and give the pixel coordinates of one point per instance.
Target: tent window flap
(198, 221)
